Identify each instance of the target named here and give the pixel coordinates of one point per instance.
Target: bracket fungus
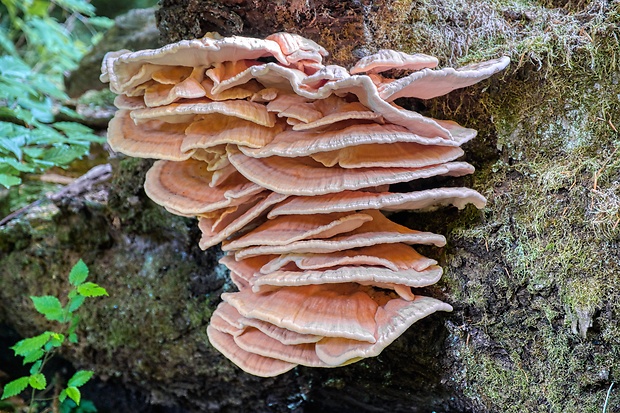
(287, 162)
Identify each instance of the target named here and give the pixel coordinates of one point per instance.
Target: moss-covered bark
(533, 277)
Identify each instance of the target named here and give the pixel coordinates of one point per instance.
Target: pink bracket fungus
(287, 162)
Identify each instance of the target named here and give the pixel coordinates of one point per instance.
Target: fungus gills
(288, 164)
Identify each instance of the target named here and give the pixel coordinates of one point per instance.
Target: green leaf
(76, 302)
(103, 22)
(28, 345)
(12, 146)
(79, 6)
(37, 381)
(7, 44)
(74, 394)
(57, 340)
(15, 387)
(49, 306)
(14, 66)
(78, 273)
(73, 338)
(14, 163)
(33, 356)
(74, 127)
(38, 8)
(62, 396)
(34, 369)
(64, 154)
(87, 406)
(80, 378)
(44, 87)
(91, 290)
(70, 112)
(8, 181)
(41, 109)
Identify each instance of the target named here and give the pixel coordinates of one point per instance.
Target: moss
(539, 267)
(149, 262)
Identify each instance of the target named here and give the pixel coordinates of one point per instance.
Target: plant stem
(31, 406)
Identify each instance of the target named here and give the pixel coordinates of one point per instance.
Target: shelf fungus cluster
(287, 162)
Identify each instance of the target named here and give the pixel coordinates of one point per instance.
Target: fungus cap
(355, 274)
(306, 177)
(287, 229)
(394, 257)
(190, 110)
(378, 231)
(214, 232)
(185, 187)
(152, 139)
(387, 201)
(249, 362)
(341, 310)
(392, 319)
(255, 341)
(292, 143)
(386, 59)
(427, 83)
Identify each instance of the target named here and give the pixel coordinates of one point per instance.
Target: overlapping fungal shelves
(287, 162)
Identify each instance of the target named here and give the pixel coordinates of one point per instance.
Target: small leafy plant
(39, 349)
(40, 40)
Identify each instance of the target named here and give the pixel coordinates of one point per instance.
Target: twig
(84, 183)
(607, 398)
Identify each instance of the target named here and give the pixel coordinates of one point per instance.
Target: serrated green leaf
(32, 152)
(57, 339)
(28, 345)
(91, 290)
(62, 396)
(74, 394)
(64, 154)
(40, 109)
(12, 146)
(76, 302)
(33, 356)
(72, 127)
(23, 114)
(73, 338)
(15, 387)
(35, 367)
(78, 273)
(15, 164)
(80, 378)
(44, 86)
(44, 135)
(8, 181)
(37, 381)
(49, 306)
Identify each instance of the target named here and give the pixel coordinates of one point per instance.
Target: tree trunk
(533, 277)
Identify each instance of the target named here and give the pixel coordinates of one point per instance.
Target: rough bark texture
(533, 277)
